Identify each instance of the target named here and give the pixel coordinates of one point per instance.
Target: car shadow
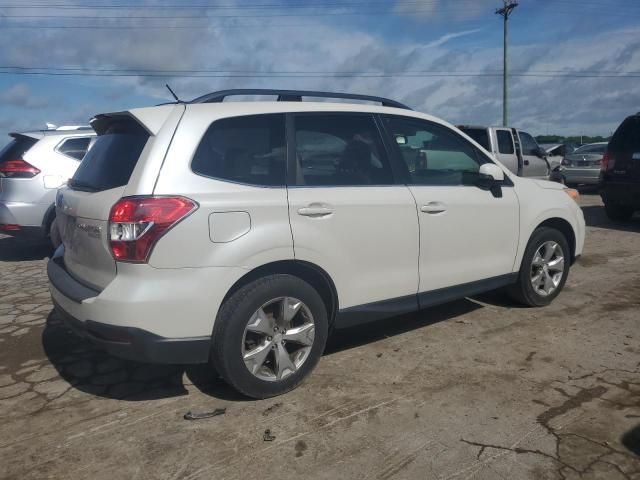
(91, 370)
(631, 440)
(595, 216)
(352, 337)
(14, 249)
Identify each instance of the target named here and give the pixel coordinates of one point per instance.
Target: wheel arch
(316, 276)
(564, 227)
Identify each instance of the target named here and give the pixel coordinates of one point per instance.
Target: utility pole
(505, 12)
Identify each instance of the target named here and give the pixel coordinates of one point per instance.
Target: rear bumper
(627, 194)
(28, 216)
(127, 342)
(136, 344)
(587, 176)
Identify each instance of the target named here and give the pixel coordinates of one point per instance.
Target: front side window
(505, 142)
(433, 154)
(74, 147)
(248, 149)
(340, 149)
(529, 145)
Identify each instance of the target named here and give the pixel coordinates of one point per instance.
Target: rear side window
(16, 148)
(74, 147)
(335, 149)
(112, 158)
(480, 135)
(505, 142)
(627, 136)
(249, 149)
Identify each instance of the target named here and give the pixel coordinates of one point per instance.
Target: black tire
(54, 234)
(617, 212)
(232, 319)
(522, 291)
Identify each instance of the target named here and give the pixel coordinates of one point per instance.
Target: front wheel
(269, 335)
(618, 213)
(544, 269)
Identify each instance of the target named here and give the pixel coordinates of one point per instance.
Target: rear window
(248, 149)
(16, 148)
(592, 149)
(74, 147)
(112, 158)
(627, 136)
(480, 135)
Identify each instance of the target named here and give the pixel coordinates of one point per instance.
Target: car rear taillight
(18, 169)
(9, 227)
(137, 223)
(604, 164)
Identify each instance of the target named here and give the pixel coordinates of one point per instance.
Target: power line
(311, 75)
(316, 72)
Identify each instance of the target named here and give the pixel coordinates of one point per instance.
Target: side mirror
(492, 172)
(540, 152)
(490, 177)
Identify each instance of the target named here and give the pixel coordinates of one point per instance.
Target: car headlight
(574, 194)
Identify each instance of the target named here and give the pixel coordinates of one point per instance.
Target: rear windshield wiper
(78, 185)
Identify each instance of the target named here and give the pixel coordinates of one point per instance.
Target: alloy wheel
(547, 268)
(278, 338)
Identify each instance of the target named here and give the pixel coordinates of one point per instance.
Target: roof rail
(294, 96)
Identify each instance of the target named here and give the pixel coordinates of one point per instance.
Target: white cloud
(19, 95)
(566, 105)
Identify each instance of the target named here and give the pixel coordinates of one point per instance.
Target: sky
(575, 64)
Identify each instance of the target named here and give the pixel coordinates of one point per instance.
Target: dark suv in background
(620, 187)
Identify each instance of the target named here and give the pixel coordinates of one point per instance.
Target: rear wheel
(269, 335)
(544, 269)
(617, 212)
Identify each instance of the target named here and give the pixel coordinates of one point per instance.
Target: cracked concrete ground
(477, 388)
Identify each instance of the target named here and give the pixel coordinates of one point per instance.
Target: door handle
(433, 208)
(315, 211)
(526, 162)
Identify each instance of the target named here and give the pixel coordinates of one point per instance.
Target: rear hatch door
(83, 207)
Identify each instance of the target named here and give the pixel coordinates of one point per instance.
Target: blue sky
(442, 57)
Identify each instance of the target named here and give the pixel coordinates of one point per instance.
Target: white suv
(240, 233)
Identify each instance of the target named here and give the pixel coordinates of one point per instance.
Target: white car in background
(239, 233)
(33, 165)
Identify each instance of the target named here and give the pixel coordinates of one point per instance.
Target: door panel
(366, 238)
(471, 236)
(466, 233)
(534, 166)
(346, 214)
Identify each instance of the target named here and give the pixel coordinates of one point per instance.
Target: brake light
(137, 223)
(18, 169)
(9, 227)
(604, 164)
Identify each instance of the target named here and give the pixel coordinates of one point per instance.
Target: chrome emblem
(91, 230)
